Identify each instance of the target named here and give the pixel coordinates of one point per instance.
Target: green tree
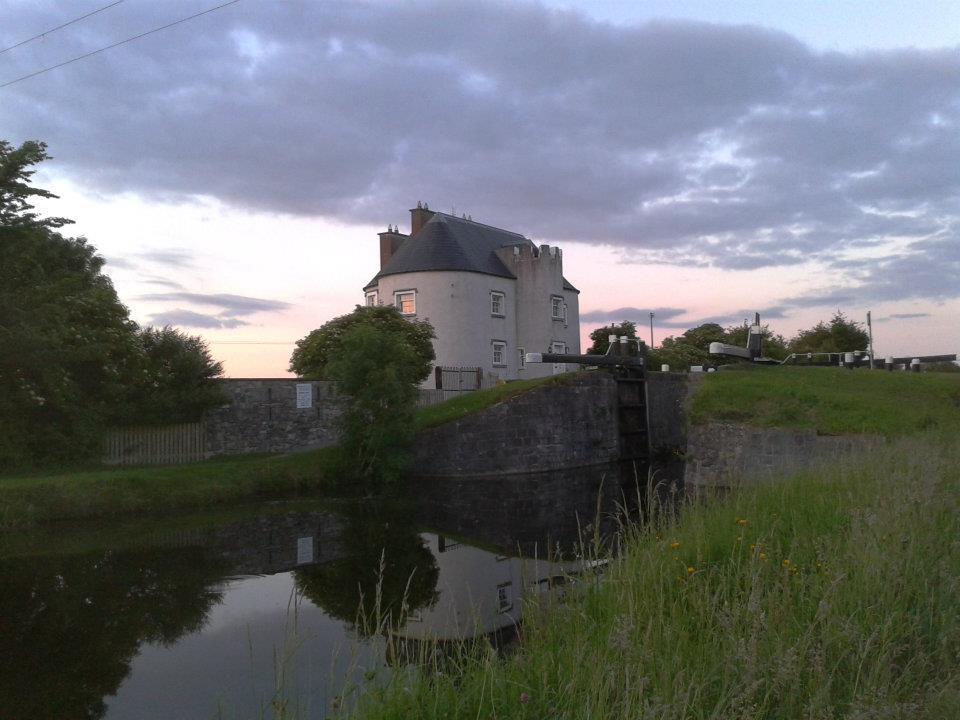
(690, 348)
(67, 346)
(315, 352)
(840, 335)
(176, 381)
(377, 372)
(15, 189)
(600, 340)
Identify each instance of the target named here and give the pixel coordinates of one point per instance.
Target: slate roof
(447, 242)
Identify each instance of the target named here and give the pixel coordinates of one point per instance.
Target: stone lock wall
(566, 424)
(726, 454)
(263, 416)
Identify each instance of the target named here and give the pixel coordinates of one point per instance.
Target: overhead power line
(60, 27)
(117, 44)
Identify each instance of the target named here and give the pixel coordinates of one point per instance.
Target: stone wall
(566, 424)
(725, 454)
(263, 417)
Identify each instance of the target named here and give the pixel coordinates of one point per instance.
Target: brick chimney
(419, 217)
(390, 242)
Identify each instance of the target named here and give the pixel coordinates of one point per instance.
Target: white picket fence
(155, 445)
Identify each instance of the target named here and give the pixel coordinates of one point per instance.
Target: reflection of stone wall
(530, 512)
(263, 417)
(559, 425)
(267, 544)
(724, 454)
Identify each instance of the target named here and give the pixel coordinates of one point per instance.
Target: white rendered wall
(457, 304)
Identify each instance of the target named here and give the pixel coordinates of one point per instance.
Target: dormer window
(558, 311)
(496, 303)
(406, 302)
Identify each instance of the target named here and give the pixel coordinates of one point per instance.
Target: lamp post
(651, 331)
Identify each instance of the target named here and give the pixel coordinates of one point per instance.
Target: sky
(698, 160)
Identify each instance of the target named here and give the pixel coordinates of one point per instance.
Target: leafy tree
(66, 348)
(377, 372)
(601, 341)
(15, 190)
(840, 335)
(176, 379)
(316, 351)
(690, 348)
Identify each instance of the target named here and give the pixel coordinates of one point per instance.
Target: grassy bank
(130, 491)
(117, 492)
(832, 400)
(469, 403)
(819, 597)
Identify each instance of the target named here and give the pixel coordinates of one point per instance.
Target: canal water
(281, 605)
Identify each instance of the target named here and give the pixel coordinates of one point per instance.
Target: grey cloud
(161, 281)
(121, 263)
(173, 258)
(230, 305)
(629, 313)
(188, 318)
(901, 316)
(690, 143)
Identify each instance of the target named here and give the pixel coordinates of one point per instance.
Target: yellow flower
(786, 563)
(763, 556)
(674, 545)
(741, 521)
(691, 571)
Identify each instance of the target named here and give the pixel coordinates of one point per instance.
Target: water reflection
(277, 608)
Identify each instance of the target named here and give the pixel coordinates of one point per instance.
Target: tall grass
(832, 400)
(827, 595)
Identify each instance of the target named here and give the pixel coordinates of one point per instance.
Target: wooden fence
(426, 398)
(158, 445)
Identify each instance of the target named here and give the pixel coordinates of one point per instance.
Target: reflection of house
(479, 592)
(490, 294)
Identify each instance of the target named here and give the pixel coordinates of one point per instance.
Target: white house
(490, 294)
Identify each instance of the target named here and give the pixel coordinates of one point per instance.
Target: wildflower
(763, 556)
(786, 563)
(691, 571)
(524, 698)
(674, 545)
(741, 522)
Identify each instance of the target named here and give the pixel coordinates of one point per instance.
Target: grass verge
(825, 596)
(469, 403)
(832, 400)
(146, 490)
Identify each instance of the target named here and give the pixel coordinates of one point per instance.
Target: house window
(496, 304)
(499, 354)
(523, 360)
(406, 301)
(504, 597)
(557, 310)
(558, 348)
(371, 298)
